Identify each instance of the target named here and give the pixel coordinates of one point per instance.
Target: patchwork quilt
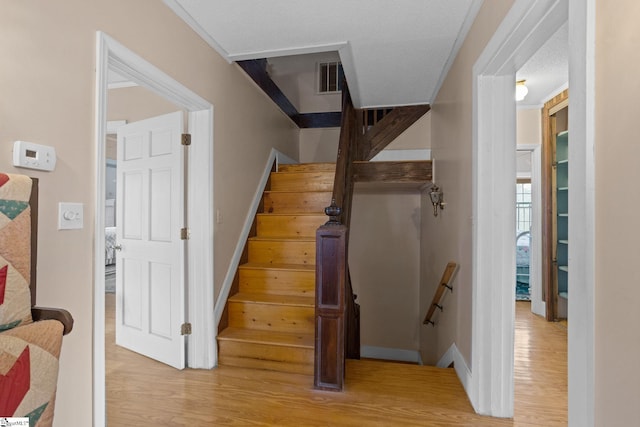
(15, 251)
(29, 352)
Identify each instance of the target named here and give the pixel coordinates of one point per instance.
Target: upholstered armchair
(30, 337)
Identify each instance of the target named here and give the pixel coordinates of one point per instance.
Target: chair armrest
(59, 314)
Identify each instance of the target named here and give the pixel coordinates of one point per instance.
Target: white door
(150, 296)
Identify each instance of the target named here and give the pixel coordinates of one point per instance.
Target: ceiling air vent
(330, 76)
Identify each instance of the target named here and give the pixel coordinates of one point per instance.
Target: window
(523, 206)
(330, 76)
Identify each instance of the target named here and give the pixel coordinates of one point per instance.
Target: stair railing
(440, 290)
(337, 314)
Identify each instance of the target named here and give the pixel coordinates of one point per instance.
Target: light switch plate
(70, 216)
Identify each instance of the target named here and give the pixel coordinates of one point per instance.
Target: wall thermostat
(34, 156)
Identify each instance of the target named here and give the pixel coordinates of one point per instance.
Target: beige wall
(529, 126)
(448, 237)
(319, 145)
(417, 137)
(384, 250)
(617, 294)
(47, 85)
(296, 77)
(136, 103)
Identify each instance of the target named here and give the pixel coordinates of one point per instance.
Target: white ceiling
(547, 71)
(393, 53)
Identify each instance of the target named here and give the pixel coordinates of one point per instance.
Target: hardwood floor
(141, 391)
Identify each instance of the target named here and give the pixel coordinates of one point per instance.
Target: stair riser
(302, 181)
(277, 282)
(289, 225)
(264, 356)
(296, 202)
(267, 317)
(308, 167)
(275, 252)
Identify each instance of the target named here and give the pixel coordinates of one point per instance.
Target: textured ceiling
(393, 53)
(547, 71)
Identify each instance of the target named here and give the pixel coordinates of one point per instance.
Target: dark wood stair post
(331, 281)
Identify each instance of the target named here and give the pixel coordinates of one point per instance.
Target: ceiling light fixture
(521, 90)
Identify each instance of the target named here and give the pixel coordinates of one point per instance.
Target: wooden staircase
(270, 320)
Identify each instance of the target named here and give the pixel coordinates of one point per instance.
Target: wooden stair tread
(283, 239)
(274, 299)
(304, 214)
(288, 267)
(298, 192)
(285, 339)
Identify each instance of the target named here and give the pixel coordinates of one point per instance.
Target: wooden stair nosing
(288, 239)
(285, 214)
(282, 339)
(279, 267)
(273, 299)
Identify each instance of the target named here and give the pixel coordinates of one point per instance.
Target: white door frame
(525, 28)
(538, 306)
(201, 346)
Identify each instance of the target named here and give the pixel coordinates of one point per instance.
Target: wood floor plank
(141, 391)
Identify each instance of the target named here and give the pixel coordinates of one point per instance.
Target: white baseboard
(462, 370)
(274, 156)
(396, 354)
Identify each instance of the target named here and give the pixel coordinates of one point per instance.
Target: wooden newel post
(331, 277)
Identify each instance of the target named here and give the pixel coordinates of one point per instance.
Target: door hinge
(186, 139)
(184, 234)
(185, 329)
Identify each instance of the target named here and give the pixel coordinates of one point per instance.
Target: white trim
(527, 25)
(395, 354)
(274, 157)
(406, 155)
(494, 270)
(202, 351)
(538, 305)
(186, 17)
(462, 35)
(283, 159)
(121, 85)
(289, 51)
(111, 55)
(582, 261)
(454, 356)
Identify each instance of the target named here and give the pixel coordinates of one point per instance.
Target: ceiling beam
(419, 171)
(257, 70)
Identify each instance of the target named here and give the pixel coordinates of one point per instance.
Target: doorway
(111, 56)
(526, 26)
(528, 223)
